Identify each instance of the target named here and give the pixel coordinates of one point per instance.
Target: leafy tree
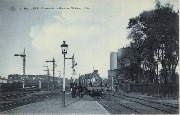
(128, 64)
(155, 38)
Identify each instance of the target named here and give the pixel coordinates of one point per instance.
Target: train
(95, 87)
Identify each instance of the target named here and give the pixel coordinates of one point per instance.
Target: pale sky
(91, 32)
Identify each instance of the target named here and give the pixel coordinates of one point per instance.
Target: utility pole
(24, 64)
(53, 72)
(73, 65)
(73, 76)
(24, 60)
(47, 75)
(59, 78)
(73, 69)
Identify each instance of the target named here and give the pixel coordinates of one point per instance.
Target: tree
(128, 62)
(155, 38)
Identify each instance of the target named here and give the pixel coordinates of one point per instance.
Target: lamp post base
(63, 98)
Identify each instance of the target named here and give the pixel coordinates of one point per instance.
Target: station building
(116, 74)
(33, 80)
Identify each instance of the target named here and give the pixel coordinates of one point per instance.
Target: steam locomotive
(95, 87)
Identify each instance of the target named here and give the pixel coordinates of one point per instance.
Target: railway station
(84, 105)
(113, 103)
(97, 57)
(87, 95)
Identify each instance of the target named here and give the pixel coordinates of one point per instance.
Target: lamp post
(64, 47)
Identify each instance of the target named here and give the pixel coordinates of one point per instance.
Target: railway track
(10, 103)
(17, 93)
(168, 109)
(110, 108)
(113, 109)
(135, 111)
(148, 100)
(98, 98)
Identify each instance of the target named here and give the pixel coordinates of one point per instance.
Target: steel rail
(108, 107)
(22, 102)
(166, 111)
(149, 101)
(124, 105)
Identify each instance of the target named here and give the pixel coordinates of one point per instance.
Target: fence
(158, 90)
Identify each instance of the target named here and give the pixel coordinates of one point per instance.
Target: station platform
(74, 106)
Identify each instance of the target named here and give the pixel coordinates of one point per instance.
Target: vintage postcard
(89, 57)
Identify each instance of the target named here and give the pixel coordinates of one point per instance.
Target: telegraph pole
(73, 73)
(53, 72)
(73, 65)
(24, 64)
(24, 60)
(59, 78)
(47, 75)
(73, 69)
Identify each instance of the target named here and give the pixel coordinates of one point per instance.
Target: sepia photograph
(97, 57)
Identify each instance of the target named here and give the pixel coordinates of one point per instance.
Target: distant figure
(73, 91)
(80, 91)
(85, 90)
(76, 90)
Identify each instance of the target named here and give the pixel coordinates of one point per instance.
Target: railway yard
(125, 103)
(11, 100)
(113, 102)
